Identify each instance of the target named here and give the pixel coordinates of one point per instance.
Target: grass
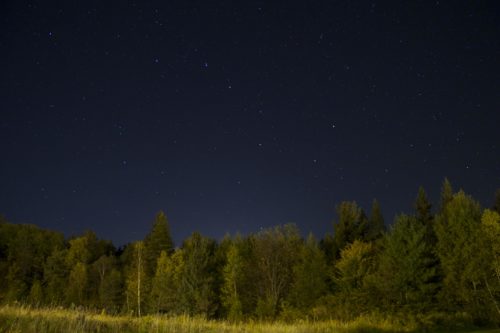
(57, 320)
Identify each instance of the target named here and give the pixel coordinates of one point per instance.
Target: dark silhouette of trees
(425, 263)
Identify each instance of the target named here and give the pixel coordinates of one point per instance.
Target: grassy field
(56, 320)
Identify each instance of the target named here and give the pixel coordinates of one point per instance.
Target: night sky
(238, 115)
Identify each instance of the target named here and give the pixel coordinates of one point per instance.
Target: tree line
(442, 260)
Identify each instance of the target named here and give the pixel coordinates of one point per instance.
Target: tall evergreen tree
(158, 240)
(423, 210)
(496, 203)
(446, 195)
(406, 276)
(376, 225)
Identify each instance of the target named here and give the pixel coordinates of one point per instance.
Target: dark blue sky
(232, 116)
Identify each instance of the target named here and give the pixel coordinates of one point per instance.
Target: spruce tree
(376, 224)
(406, 276)
(158, 240)
(424, 215)
(446, 195)
(496, 203)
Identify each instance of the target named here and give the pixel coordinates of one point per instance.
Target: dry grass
(27, 320)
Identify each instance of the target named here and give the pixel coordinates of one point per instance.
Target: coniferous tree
(496, 203)
(406, 276)
(424, 215)
(158, 240)
(376, 225)
(351, 225)
(446, 195)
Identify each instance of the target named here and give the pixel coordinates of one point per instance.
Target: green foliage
(167, 282)
(36, 294)
(275, 252)
(198, 284)
(496, 203)
(136, 282)
(310, 274)
(111, 291)
(352, 225)
(77, 284)
(424, 271)
(352, 270)
(490, 227)
(232, 275)
(462, 255)
(55, 275)
(376, 224)
(405, 276)
(446, 195)
(424, 215)
(158, 240)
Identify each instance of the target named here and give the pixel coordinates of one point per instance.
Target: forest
(434, 262)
